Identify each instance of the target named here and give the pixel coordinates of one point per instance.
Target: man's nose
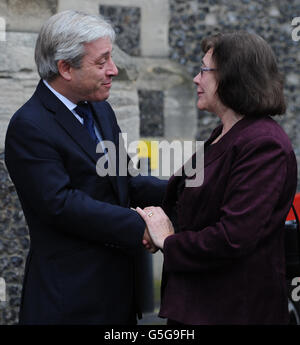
(112, 70)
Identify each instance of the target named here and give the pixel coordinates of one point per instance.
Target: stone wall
(14, 245)
(191, 21)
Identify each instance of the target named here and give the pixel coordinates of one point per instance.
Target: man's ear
(64, 69)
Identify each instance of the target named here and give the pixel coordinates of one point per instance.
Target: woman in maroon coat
(224, 263)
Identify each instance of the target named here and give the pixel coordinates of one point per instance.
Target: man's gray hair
(62, 37)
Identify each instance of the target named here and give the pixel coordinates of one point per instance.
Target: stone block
(13, 249)
(17, 52)
(151, 104)
(13, 95)
(126, 65)
(154, 24)
(124, 100)
(88, 6)
(126, 22)
(179, 108)
(27, 15)
(160, 74)
(154, 34)
(155, 28)
(180, 119)
(18, 75)
(130, 126)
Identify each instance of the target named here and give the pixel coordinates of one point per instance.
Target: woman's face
(207, 85)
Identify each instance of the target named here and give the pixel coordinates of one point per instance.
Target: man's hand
(148, 243)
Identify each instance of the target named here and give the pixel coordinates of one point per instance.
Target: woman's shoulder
(262, 130)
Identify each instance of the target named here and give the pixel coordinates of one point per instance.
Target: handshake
(158, 227)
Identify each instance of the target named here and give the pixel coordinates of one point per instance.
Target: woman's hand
(158, 224)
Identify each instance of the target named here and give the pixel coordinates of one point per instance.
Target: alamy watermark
(122, 161)
(2, 29)
(296, 291)
(2, 290)
(296, 29)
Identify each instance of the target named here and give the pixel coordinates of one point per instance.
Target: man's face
(92, 81)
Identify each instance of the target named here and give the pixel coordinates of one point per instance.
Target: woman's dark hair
(248, 78)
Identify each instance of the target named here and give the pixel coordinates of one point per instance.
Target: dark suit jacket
(226, 264)
(85, 240)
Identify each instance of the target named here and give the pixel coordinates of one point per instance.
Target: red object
(296, 203)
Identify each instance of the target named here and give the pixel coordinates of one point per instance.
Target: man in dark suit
(85, 239)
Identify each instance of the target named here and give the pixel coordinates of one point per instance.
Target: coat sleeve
(255, 184)
(44, 188)
(146, 191)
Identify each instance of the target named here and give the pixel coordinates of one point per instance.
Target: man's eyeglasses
(206, 69)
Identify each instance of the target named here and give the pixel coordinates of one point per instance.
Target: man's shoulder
(29, 111)
(105, 112)
(39, 103)
(103, 106)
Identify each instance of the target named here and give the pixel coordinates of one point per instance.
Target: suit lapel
(74, 128)
(78, 132)
(68, 121)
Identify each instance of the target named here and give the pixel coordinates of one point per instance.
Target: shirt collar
(70, 105)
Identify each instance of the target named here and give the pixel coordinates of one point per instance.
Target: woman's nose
(196, 79)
